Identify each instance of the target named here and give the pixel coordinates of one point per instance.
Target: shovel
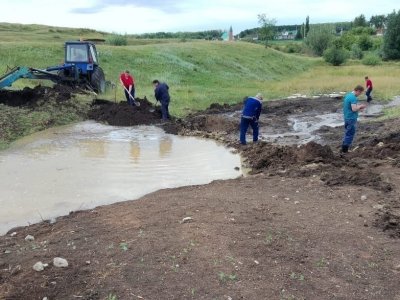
(137, 103)
(153, 109)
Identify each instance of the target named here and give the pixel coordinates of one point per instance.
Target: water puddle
(88, 164)
(302, 128)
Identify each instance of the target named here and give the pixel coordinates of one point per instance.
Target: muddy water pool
(88, 164)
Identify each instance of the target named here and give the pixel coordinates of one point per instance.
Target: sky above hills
(143, 16)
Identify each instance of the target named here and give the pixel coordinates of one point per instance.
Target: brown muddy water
(89, 164)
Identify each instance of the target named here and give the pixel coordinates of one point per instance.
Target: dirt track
(308, 225)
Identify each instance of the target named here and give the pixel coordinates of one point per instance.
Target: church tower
(230, 37)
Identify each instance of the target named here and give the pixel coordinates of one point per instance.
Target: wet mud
(309, 223)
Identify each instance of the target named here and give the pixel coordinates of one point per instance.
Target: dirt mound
(122, 114)
(353, 176)
(209, 123)
(313, 152)
(389, 223)
(31, 97)
(269, 156)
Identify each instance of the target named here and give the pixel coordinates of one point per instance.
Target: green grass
(198, 72)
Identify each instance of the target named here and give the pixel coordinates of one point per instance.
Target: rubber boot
(345, 148)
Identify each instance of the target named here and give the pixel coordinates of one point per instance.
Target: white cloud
(140, 16)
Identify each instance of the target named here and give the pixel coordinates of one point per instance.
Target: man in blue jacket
(161, 93)
(350, 114)
(250, 115)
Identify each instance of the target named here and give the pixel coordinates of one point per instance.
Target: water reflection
(85, 165)
(93, 148)
(135, 151)
(165, 146)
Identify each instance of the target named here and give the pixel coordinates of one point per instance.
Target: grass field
(199, 72)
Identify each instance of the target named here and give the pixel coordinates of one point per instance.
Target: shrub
(371, 60)
(117, 40)
(335, 56)
(294, 48)
(356, 52)
(391, 45)
(365, 42)
(377, 43)
(319, 40)
(347, 40)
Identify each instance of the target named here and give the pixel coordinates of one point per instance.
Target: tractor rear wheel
(98, 81)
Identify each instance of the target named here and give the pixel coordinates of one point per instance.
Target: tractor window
(93, 54)
(77, 53)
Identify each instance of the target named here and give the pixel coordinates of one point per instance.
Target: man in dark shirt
(161, 92)
(250, 115)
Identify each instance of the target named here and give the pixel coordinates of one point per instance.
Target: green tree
(267, 28)
(360, 21)
(365, 42)
(307, 28)
(303, 30)
(356, 52)
(378, 21)
(391, 41)
(298, 36)
(318, 40)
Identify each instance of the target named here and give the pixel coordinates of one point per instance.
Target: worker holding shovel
(161, 93)
(128, 83)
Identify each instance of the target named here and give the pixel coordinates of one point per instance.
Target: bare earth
(307, 224)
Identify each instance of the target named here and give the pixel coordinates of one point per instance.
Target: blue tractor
(81, 66)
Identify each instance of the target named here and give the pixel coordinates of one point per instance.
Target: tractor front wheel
(98, 81)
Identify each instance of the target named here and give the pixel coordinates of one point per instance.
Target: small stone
(88, 262)
(363, 197)
(296, 202)
(39, 266)
(29, 238)
(397, 267)
(256, 262)
(45, 298)
(16, 270)
(187, 220)
(380, 144)
(60, 262)
(13, 234)
(7, 252)
(378, 206)
(237, 168)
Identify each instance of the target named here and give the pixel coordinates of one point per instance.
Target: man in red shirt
(128, 82)
(368, 84)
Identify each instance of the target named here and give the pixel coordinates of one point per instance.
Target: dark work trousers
(164, 110)
(129, 99)
(368, 94)
(244, 125)
(349, 131)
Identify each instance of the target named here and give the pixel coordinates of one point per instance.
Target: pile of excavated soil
(122, 114)
(29, 97)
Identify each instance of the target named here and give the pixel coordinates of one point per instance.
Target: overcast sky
(143, 16)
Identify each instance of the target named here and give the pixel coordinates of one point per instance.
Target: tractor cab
(81, 54)
(81, 63)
